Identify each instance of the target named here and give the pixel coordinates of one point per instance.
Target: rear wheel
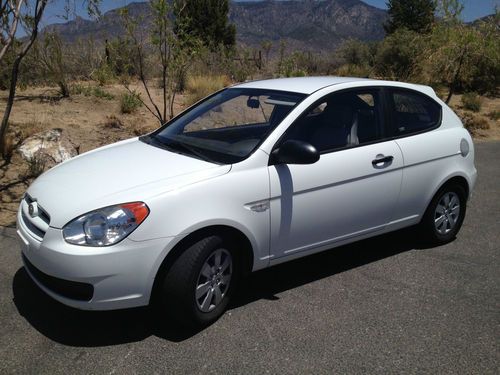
(197, 288)
(445, 214)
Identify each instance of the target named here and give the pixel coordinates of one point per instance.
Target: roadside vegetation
(99, 91)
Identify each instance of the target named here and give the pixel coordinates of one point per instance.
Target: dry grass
(475, 123)
(472, 101)
(113, 122)
(198, 87)
(485, 124)
(494, 115)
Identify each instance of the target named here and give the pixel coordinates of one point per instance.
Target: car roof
(308, 85)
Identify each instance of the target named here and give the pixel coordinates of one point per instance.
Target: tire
(441, 222)
(197, 267)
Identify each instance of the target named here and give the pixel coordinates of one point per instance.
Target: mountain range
(317, 25)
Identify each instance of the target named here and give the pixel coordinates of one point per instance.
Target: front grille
(36, 225)
(69, 289)
(42, 213)
(33, 228)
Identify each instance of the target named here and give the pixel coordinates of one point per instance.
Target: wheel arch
(227, 231)
(457, 178)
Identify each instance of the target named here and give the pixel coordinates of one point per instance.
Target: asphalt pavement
(384, 305)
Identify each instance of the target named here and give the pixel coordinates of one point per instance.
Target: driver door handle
(381, 159)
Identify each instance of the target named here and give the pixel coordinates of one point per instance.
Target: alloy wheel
(213, 280)
(447, 213)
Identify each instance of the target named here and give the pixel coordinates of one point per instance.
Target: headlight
(105, 226)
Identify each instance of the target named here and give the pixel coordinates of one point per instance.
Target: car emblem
(33, 209)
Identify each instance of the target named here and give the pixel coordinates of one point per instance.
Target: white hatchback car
(255, 175)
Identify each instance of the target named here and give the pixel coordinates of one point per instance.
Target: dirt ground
(90, 122)
(489, 105)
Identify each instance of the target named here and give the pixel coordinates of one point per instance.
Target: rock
(50, 148)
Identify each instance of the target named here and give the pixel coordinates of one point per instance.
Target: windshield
(226, 127)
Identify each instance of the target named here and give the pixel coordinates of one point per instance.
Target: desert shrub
(198, 87)
(464, 57)
(130, 102)
(121, 57)
(473, 123)
(486, 68)
(6, 67)
(113, 122)
(494, 115)
(299, 64)
(356, 52)
(471, 101)
(104, 75)
(83, 58)
(350, 70)
(399, 56)
(53, 61)
(78, 89)
(96, 91)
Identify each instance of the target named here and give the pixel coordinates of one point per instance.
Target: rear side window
(413, 112)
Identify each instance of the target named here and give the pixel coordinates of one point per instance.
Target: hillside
(320, 25)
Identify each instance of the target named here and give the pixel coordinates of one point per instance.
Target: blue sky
(473, 8)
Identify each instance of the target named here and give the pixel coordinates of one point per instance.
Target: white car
(254, 175)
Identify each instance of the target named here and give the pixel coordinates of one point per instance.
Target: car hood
(122, 172)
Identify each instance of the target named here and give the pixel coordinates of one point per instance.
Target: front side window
(413, 112)
(340, 120)
(228, 126)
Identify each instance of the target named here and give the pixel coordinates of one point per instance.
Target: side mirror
(295, 152)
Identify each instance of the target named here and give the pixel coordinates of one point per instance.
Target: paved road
(382, 305)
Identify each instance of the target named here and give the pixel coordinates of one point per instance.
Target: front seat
(334, 128)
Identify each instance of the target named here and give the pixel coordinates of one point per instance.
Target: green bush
(104, 75)
(399, 56)
(100, 93)
(130, 102)
(96, 91)
(471, 101)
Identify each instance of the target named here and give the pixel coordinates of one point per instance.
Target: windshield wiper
(177, 146)
(190, 150)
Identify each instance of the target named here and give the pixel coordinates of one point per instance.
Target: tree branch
(16, 14)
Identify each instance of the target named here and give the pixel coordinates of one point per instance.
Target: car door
(352, 190)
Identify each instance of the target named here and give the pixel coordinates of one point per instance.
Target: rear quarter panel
(431, 159)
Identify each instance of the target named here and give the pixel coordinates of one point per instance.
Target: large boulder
(49, 148)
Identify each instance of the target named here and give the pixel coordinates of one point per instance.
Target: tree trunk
(10, 103)
(39, 9)
(164, 83)
(450, 93)
(64, 88)
(453, 83)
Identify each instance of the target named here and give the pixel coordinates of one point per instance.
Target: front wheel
(199, 284)
(445, 214)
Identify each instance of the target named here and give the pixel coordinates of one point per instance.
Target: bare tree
(32, 22)
(29, 14)
(10, 16)
(173, 53)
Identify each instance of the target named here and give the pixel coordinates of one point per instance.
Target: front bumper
(92, 278)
